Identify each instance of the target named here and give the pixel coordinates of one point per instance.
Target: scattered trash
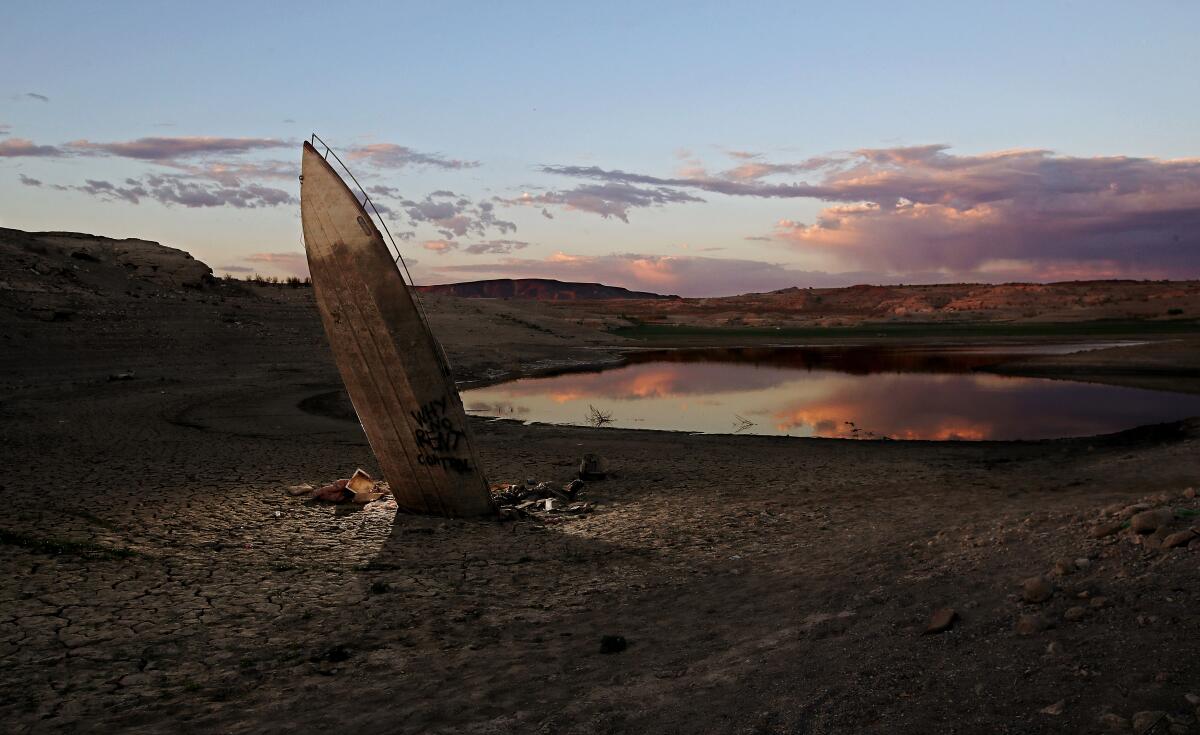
(524, 500)
(337, 492)
(358, 488)
(360, 482)
(592, 467)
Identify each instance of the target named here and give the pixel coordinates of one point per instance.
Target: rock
(1143, 721)
(1055, 709)
(613, 644)
(1099, 601)
(1083, 563)
(121, 376)
(1155, 540)
(1149, 521)
(1181, 538)
(1054, 648)
(1105, 529)
(304, 489)
(941, 620)
(1192, 699)
(1036, 589)
(1114, 721)
(1063, 567)
(1031, 624)
(1189, 493)
(1074, 614)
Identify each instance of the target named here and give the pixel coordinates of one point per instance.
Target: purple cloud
(391, 155)
(606, 200)
(921, 208)
(20, 147)
(165, 149)
(454, 216)
(171, 189)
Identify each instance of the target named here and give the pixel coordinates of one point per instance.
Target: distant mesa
(540, 289)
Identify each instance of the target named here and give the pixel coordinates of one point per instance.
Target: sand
(158, 578)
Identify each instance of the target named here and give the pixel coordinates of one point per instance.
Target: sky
(701, 149)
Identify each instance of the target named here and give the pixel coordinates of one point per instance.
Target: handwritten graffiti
(438, 438)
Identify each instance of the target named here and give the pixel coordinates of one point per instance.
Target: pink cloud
(22, 147)
(666, 274)
(921, 208)
(295, 264)
(156, 149)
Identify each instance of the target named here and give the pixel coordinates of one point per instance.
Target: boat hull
(392, 367)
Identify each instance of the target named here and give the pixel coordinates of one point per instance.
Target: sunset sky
(699, 149)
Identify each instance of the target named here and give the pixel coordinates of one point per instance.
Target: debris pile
(532, 497)
(359, 488)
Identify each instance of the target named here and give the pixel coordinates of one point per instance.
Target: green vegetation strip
(61, 546)
(919, 329)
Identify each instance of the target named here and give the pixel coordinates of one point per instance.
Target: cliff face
(540, 289)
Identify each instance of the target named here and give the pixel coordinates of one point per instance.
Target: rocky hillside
(540, 289)
(50, 275)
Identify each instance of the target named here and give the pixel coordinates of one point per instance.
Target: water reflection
(849, 392)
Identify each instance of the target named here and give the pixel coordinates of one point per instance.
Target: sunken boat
(394, 369)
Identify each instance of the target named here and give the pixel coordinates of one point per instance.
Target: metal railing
(399, 259)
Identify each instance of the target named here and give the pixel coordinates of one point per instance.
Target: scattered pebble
(1036, 589)
(1149, 521)
(1074, 614)
(1064, 567)
(1180, 538)
(1143, 721)
(1055, 709)
(1105, 529)
(941, 620)
(1031, 624)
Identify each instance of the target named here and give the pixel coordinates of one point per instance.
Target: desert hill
(35, 262)
(42, 273)
(540, 289)
(1009, 302)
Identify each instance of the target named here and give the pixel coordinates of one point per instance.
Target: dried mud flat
(157, 578)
